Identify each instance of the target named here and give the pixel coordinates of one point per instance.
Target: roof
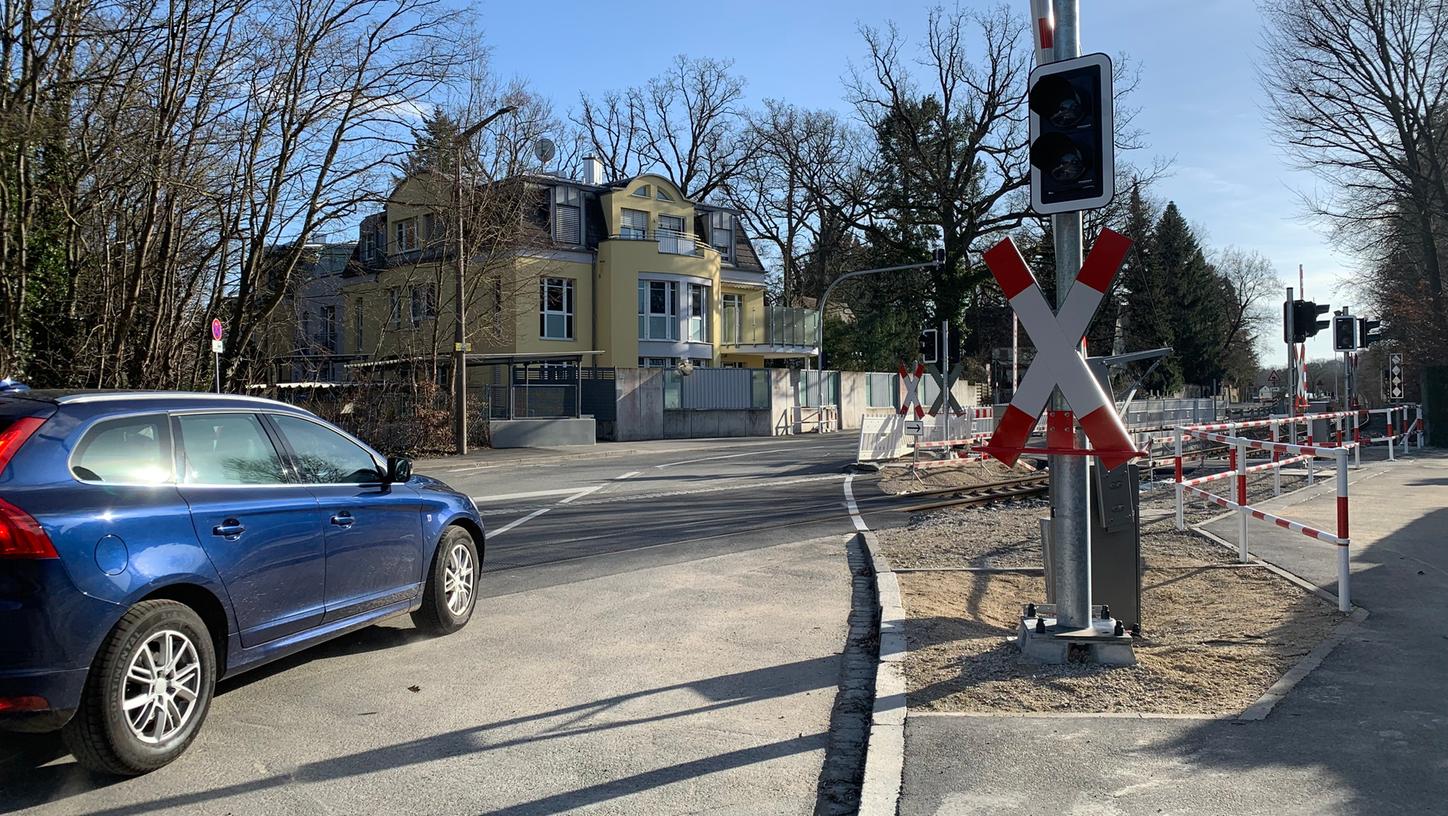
(84, 396)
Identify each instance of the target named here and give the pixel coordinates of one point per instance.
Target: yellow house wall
(526, 274)
(619, 265)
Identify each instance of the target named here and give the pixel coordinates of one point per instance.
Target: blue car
(154, 542)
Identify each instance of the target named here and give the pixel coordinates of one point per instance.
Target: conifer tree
(1195, 298)
(1146, 296)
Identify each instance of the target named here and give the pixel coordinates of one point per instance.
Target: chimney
(592, 170)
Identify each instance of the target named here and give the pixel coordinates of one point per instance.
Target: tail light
(20, 534)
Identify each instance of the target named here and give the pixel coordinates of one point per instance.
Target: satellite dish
(544, 150)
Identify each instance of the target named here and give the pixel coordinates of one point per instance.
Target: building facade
(627, 273)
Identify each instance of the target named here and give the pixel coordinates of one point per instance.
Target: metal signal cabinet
(1116, 541)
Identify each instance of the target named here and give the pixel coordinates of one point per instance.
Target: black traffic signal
(1344, 333)
(1073, 158)
(930, 346)
(1304, 319)
(1369, 332)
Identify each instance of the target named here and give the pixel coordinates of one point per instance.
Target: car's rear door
(373, 529)
(262, 530)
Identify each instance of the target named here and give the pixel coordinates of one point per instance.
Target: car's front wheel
(452, 584)
(147, 693)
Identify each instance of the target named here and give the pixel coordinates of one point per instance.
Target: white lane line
(852, 507)
(712, 458)
(505, 528)
(628, 475)
(562, 491)
(582, 493)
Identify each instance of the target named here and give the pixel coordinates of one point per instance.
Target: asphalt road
(659, 632)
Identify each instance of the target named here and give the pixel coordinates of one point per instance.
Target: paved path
(662, 643)
(1365, 733)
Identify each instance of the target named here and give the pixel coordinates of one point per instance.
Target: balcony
(669, 241)
(781, 331)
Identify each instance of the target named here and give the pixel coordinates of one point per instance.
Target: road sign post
(217, 346)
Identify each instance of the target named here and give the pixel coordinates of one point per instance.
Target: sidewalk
(1365, 733)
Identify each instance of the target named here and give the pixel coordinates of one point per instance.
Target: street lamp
(460, 348)
(939, 258)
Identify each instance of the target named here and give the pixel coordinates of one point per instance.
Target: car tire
(147, 693)
(451, 591)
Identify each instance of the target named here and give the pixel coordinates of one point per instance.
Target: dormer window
(662, 196)
(641, 192)
(406, 235)
(567, 215)
(721, 233)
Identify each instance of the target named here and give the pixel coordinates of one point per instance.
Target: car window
(133, 450)
(227, 449)
(325, 456)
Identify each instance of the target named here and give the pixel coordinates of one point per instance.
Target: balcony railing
(779, 326)
(669, 241)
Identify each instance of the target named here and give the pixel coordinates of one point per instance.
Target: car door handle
(343, 519)
(231, 528)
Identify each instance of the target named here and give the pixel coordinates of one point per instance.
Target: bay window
(658, 310)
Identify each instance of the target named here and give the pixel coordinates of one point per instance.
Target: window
(641, 192)
(424, 303)
(324, 456)
(671, 223)
(369, 246)
(498, 295)
(329, 328)
(567, 214)
(662, 196)
(698, 313)
(701, 362)
(635, 225)
(657, 362)
(359, 337)
(227, 449)
(721, 233)
(555, 312)
(134, 450)
(658, 310)
(733, 313)
(394, 306)
(671, 236)
(407, 234)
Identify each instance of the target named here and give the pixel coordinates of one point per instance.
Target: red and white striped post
(1181, 523)
(1419, 426)
(1357, 438)
(1343, 602)
(1389, 417)
(1276, 456)
(1239, 463)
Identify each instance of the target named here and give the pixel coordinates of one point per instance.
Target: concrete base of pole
(1096, 644)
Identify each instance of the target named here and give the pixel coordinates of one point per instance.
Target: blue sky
(1200, 99)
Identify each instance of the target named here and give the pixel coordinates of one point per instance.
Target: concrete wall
(854, 398)
(541, 433)
(707, 423)
(640, 404)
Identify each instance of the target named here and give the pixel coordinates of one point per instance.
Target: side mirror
(399, 469)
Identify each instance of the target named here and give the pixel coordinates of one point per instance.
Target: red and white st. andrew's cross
(1058, 362)
(912, 390)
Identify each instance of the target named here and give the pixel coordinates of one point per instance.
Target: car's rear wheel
(452, 584)
(147, 693)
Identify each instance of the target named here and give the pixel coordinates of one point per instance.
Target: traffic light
(930, 346)
(1304, 319)
(1073, 159)
(1369, 332)
(1344, 333)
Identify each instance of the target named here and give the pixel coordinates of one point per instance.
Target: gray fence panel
(716, 389)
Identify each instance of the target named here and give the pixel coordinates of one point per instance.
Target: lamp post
(939, 256)
(460, 346)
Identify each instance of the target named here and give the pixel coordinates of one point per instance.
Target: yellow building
(623, 273)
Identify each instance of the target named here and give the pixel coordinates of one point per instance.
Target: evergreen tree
(1195, 298)
(1146, 298)
(433, 146)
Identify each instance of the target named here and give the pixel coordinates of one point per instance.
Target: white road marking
(628, 475)
(852, 507)
(735, 484)
(536, 494)
(712, 458)
(581, 493)
(505, 528)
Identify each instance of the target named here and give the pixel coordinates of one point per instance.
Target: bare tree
(1358, 92)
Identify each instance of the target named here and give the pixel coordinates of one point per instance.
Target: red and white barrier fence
(1239, 468)
(1402, 426)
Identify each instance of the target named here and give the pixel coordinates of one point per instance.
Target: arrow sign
(1058, 362)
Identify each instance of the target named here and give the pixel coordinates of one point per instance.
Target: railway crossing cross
(912, 392)
(1058, 362)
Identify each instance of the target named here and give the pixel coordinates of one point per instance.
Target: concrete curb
(885, 747)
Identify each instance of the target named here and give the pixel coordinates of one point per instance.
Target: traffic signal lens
(1060, 158)
(1058, 101)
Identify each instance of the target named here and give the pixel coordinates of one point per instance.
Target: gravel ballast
(1215, 635)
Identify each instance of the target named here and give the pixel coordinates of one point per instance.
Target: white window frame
(697, 320)
(722, 221)
(423, 304)
(571, 198)
(406, 228)
(633, 232)
(394, 306)
(647, 316)
(736, 314)
(566, 289)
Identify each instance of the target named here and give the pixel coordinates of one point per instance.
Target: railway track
(983, 493)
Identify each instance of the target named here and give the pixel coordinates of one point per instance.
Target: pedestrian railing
(1401, 426)
(1283, 453)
